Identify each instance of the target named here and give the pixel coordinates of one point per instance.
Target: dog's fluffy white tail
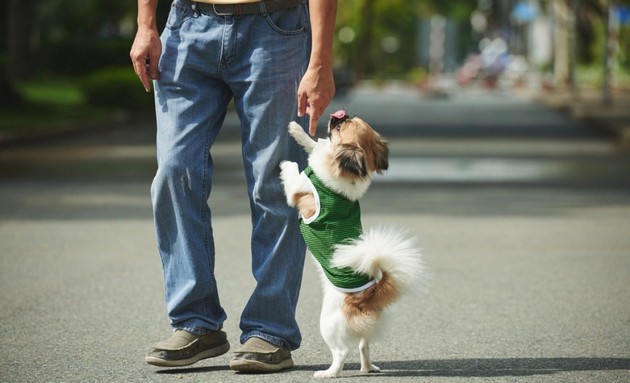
(385, 250)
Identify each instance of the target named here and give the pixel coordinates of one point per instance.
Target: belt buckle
(214, 8)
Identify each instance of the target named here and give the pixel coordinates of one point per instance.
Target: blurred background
(63, 61)
(509, 128)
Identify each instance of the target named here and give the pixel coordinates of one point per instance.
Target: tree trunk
(562, 43)
(364, 45)
(19, 36)
(8, 94)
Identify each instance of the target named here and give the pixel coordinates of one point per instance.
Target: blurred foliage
(57, 93)
(380, 37)
(51, 39)
(374, 39)
(71, 19)
(78, 36)
(48, 104)
(77, 55)
(624, 47)
(116, 87)
(9, 96)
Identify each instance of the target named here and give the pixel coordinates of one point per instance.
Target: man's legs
(191, 102)
(190, 108)
(264, 76)
(275, 53)
(191, 99)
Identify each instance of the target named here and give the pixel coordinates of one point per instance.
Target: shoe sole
(253, 366)
(211, 353)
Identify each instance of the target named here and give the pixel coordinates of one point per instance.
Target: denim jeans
(208, 60)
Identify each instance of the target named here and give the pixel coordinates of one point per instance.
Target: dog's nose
(337, 118)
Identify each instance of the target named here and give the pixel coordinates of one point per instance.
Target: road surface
(522, 214)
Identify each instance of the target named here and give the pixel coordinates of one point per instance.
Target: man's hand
(315, 92)
(317, 87)
(145, 55)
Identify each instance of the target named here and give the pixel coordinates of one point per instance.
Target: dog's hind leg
(334, 330)
(339, 358)
(364, 351)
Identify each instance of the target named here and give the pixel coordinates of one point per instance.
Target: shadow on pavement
(192, 370)
(499, 367)
(502, 367)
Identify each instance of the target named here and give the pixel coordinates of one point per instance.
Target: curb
(611, 120)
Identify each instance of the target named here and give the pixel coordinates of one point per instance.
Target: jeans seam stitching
(204, 212)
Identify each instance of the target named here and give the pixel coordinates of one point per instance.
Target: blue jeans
(207, 60)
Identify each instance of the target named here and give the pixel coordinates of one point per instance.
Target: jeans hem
(278, 342)
(195, 330)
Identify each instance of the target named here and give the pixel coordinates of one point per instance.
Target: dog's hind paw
(371, 369)
(325, 374)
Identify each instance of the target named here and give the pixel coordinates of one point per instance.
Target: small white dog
(362, 273)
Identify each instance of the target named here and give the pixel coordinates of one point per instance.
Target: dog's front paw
(325, 374)
(300, 136)
(295, 130)
(287, 165)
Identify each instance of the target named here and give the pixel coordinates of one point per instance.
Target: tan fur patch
(305, 203)
(362, 308)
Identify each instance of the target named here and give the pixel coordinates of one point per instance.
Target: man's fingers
(146, 82)
(312, 127)
(302, 105)
(153, 65)
(314, 114)
(145, 56)
(145, 72)
(141, 71)
(138, 67)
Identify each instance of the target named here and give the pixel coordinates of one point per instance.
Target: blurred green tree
(63, 37)
(67, 36)
(376, 37)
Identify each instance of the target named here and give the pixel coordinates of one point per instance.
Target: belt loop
(263, 7)
(238, 10)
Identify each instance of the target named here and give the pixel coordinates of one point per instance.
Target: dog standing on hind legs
(362, 272)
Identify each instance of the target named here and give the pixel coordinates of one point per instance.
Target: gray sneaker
(184, 349)
(259, 356)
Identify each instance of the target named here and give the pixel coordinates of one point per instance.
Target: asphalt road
(522, 214)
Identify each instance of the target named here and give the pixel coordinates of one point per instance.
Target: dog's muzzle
(337, 119)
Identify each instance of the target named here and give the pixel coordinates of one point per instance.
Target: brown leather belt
(259, 7)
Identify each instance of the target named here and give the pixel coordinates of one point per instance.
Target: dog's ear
(350, 161)
(381, 155)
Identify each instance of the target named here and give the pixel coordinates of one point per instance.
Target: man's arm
(317, 87)
(147, 47)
